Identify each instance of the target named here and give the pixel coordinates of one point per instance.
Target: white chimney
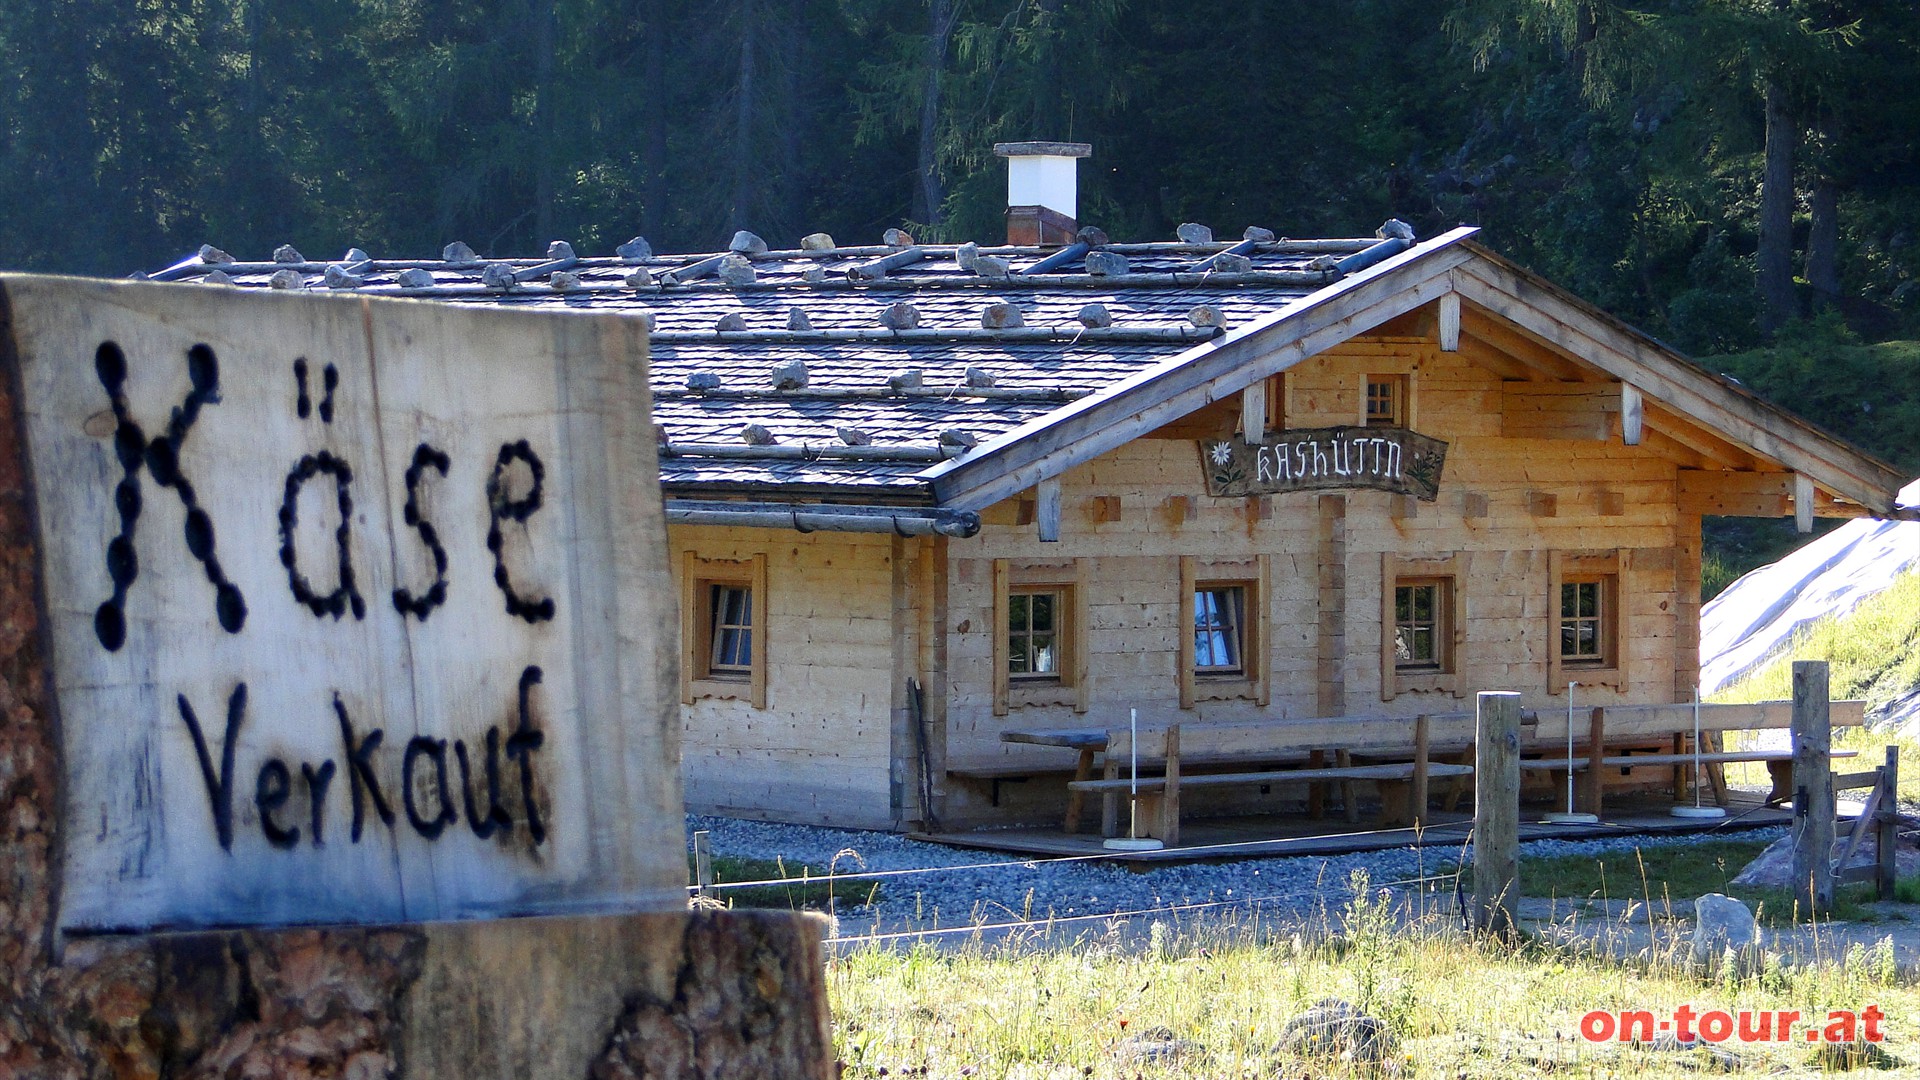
(1043, 191)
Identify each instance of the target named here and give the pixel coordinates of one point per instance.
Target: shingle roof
(887, 393)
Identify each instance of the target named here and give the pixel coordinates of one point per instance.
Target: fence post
(1886, 828)
(1812, 786)
(702, 865)
(1496, 810)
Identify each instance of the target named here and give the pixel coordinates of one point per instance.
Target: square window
(1035, 629)
(1219, 629)
(1386, 401)
(1586, 621)
(730, 631)
(1421, 625)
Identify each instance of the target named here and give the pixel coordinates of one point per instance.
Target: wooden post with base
(1812, 787)
(1496, 811)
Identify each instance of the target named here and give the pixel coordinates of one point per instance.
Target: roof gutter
(825, 517)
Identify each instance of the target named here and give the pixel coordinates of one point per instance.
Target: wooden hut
(921, 495)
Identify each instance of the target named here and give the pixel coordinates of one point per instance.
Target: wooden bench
(1176, 749)
(1668, 731)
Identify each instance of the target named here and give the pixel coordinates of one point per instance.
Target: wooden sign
(1318, 459)
(358, 609)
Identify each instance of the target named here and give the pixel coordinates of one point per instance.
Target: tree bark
(742, 191)
(1823, 244)
(543, 186)
(929, 193)
(1777, 303)
(653, 142)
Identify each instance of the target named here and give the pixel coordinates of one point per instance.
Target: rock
(757, 435)
(355, 255)
(338, 278)
(561, 281)
(1323, 263)
(213, 256)
(415, 278)
(1224, 263)
(910, 379)
(797, 320)
(1721, 923)
(746, 243)
(1092, 236)
(1207, 315)
(287, 253)
(559, 249)
(640, 279)
(1107, 264)
(1394, 229)
(646, 320)
(992, 266)
(1336, 1030)
(287, 279)
(730, 322)
(979, 378)
(703, 380)
(1773, 868)
(221, 277)
(1156, 1044)
(1258, 235)
(791, 375)
(853, 436)
(494, 276)
(896, 238)
(1191, 233)
(1095, 315)
(817, 242)
(966, 255)
(737, 270)
(1845, 1057)
(1703, 1054)
(814, 273)
(459, 254)
(634, 250)
(955, 437)
(900, 316)
(1002, 317)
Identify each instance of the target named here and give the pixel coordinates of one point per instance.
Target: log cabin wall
(1508, 508)
(820, 750)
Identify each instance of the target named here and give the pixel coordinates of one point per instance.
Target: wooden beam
(1802, 503)
(1253, 412)
(1661, 422)
(1492, 328)
(1557, 410)
(1104, 508)
(1633, 414)
(1049, 523)
(1490, 357)
(1734, 494)
(1450, 323)
(1543, 504)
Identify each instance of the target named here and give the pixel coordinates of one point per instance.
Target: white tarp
(1755, 618)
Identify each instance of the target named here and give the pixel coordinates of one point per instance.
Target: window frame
(1059, 595)
(701, 676)
(1401, 385)
(1446, 573)
(1438, 625)
(1606, 569)
(1252, 577)
(1067, 579)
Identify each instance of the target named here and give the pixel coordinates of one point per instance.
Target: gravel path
(963, 888)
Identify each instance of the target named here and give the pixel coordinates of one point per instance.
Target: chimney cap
(1043, 149)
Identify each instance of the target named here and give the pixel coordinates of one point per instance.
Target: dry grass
(1457, 1009)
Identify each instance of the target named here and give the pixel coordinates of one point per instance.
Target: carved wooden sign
(358, 609)
(1318, 459)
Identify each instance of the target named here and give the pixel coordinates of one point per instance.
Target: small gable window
(1386, 401)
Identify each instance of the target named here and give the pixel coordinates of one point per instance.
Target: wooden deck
(1271, 835)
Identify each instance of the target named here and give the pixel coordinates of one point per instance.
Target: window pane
(1045, 662)
(1589, 598)
(1041, 605)
(1017, 612)
(1587, 639)
(1403, 603)
(746, 606)
(1569, 601)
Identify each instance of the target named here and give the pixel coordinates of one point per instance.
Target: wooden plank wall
(822, 749)
(1504, 504)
